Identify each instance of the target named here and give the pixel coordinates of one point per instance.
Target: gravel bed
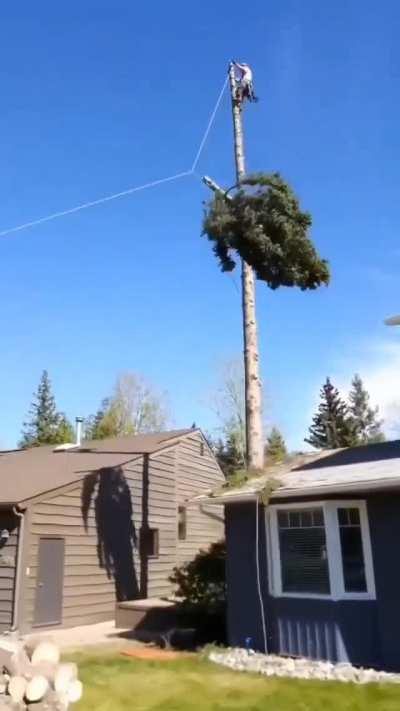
(298, 668)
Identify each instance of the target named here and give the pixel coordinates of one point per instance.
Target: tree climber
(244, 79)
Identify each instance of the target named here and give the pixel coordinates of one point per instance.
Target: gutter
(21, 516)
(357, 486)
(239, 498)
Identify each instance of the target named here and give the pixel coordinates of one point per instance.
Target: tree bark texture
(253, 389)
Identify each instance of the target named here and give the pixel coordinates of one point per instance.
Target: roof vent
(78, 440)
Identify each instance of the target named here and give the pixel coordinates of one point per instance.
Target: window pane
(283, 519)
(306, 518)
(318, 517)
(181, 523)
(343, 518)
(149, 542)
(294, 519)
(354, 516)
(304, 560)
(352, 555)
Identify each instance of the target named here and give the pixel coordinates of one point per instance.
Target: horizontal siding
(8, 563)
(197, 471)
(162, 515)
(89, 590)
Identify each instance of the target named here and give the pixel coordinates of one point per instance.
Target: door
(49, 585)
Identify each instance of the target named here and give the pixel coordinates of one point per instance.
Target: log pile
(33, 677)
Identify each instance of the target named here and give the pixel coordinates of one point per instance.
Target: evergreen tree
(46, 425)
(366, 422)
(264, 224)
(65, 431)
(275, 449)
(332, 425)
(230, 453)
(94, 428)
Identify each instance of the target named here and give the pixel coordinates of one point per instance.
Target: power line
(129, 191)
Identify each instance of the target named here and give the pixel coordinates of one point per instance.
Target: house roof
(26, 473)
(367, 468)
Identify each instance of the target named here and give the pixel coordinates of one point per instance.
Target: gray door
(49, 585)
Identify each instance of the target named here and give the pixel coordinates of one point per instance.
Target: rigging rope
(129, 191)
(209, 125)
(85, 205)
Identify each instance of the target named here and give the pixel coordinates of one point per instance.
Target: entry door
(49, 585)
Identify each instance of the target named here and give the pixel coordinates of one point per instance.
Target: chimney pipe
(78, 439)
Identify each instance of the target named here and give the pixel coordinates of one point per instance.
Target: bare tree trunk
(253, 396)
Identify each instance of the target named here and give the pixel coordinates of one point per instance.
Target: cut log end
(36, 688)
(16, 688)
(35, 679)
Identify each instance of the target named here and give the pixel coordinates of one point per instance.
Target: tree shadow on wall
(108, 490)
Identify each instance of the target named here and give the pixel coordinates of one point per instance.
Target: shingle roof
(30, 472)
(366, 468)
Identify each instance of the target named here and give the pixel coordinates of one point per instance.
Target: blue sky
(100, 96)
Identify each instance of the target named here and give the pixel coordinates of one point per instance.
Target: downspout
(21, 516)
(259, 590)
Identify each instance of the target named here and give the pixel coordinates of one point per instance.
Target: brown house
(101, 522)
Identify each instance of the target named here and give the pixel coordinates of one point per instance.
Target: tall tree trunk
(253, 390)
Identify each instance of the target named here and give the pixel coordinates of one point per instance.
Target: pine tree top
(275, 448)
(332, 426)
(367, 424)
(264, 224)
(46, 425)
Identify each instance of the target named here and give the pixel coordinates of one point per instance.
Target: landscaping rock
(299, 668)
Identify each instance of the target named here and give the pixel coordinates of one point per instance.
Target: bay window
(320, 550)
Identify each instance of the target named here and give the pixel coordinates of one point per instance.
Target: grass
(115, 683)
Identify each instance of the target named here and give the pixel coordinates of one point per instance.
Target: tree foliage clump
(338, 424)
(229, 453)
(45, 425)
(264, 225)
(367, 424)
(201, 581)
(134, 407)
(275, 448)
(228, 404)
(332, 425)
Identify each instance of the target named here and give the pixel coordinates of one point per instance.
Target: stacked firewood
(31, 675)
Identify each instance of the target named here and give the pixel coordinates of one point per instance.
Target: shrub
(201, 581)
(201, 585)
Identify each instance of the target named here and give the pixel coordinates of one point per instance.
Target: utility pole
(253, 391)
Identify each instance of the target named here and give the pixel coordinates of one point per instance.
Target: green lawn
(115, 683)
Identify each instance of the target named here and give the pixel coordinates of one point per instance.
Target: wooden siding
(89, 590)
(197, 471)
(162, 515)
(102, 557)
(8, 563)
(92, 563)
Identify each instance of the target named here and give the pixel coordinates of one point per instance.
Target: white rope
(264, 627)
(85, 205)
(209, 125)
(129, 191)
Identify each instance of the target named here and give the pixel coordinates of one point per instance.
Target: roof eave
(360, 486)
(239, 498)
(243, 497)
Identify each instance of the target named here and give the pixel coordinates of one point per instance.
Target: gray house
(316, 571)
(107, 521)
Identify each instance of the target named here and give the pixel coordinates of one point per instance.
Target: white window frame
(335, 565)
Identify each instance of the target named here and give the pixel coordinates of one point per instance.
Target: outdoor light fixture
(4, 535)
